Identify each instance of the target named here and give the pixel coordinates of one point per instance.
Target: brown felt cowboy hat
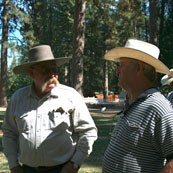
(39, 54)
(167, 79)
(139, 50)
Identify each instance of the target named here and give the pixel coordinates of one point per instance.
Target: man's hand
(17, 169)
(68, 168)
(168, 168)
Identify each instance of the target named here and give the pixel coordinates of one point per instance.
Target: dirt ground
(106, 113)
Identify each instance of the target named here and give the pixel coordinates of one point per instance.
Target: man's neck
(38, 92)
(133, 94)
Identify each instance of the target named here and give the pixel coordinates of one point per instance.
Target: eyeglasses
(45, 71)
(120, 64)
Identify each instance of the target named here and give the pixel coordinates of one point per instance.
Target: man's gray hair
(149, 71)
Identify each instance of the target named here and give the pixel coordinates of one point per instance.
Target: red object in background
(110, 97)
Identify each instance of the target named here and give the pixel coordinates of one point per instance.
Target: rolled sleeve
(10, 138)
(85, 128)
(164, 135)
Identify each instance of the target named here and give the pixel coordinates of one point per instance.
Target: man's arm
(168, 167)
(17, 169)
(10, 137)
(85, 129)
(68, 168)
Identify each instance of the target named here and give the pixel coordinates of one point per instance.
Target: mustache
(47, 81)
(51, 80)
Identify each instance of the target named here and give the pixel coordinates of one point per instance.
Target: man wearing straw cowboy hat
(168, 80)
(142, 140)
(47, 126)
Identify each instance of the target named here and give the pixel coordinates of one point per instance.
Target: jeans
(28, 169)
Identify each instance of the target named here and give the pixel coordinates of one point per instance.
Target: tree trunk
(78, 46)
(146, 21)
(162, 20)
(105, 79)
(5, 23)
(153, 22)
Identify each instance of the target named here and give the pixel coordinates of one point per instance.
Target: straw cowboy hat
(39, 54)
(139, 50)
(167, 79)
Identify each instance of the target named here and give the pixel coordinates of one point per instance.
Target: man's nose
(52, 74)
(118, 70)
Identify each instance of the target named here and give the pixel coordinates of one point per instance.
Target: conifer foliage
(85, 30)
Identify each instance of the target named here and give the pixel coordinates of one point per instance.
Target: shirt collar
(147, 93)
(52, 93)
(30, 90)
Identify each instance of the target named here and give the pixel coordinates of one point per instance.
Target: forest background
(85, 30)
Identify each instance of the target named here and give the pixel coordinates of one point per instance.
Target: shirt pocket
(59, 121)
(117, 128)
(23, 122)
(134, 133)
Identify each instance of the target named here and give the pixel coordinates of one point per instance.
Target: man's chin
(47, 88)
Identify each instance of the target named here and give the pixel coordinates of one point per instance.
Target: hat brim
(166, 80)
(23, 68)
(116, 53)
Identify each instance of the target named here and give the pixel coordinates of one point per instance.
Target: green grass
(94, 163)
(3, 160)
(102, 120)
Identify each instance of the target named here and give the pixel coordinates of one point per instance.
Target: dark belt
(42, 169)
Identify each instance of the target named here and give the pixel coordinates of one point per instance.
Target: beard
(49, 84)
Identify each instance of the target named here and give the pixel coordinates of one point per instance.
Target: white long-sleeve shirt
(47, 131)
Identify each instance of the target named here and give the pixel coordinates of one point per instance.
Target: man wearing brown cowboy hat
(47, 127)
(142, 140)
(168, 80)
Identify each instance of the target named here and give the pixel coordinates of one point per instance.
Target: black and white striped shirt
(143, 136)
(170, 96)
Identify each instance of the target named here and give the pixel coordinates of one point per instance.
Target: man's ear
(139, 67)
(31, 73)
